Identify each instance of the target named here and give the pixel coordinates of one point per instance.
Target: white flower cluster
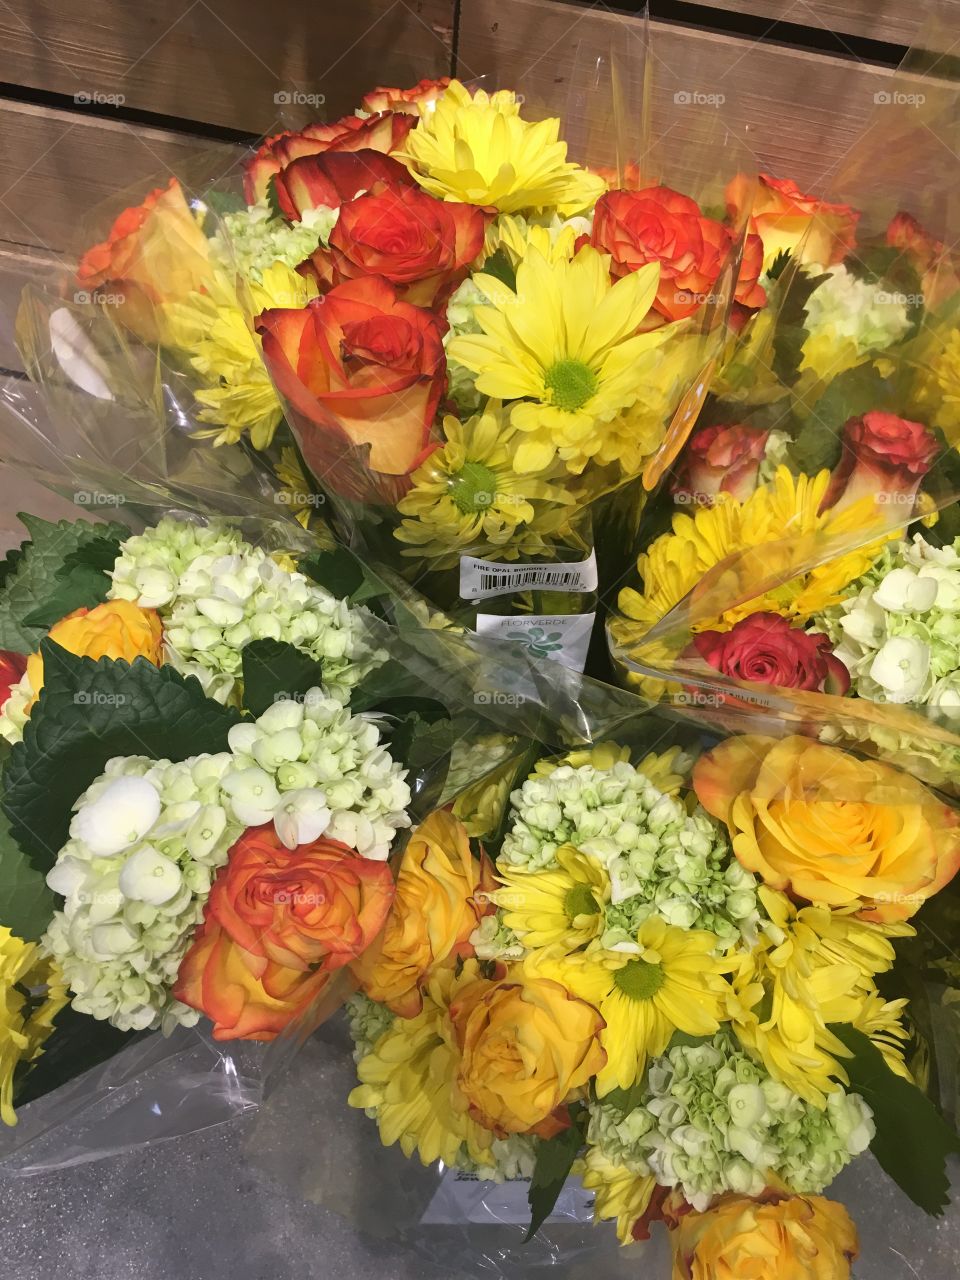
(848, 307)
(253, 239)
(313, 769)
(461, 381)
(15, 710)
(215, 593)
(712, 1120)
(899, 634)
(145, 841)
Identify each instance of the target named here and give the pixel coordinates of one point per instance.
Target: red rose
(422, 245)
(720, 459)
(277, 923)
(12, 668)
(765, 649)
(363, 373)
(384, 133)
(334, 177)
(407, 100)
(884, 457)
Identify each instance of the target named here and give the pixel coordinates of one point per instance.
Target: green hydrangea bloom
(866, 311)
(253, 239)
(493, 940)
(368, 1022)
(461, 381)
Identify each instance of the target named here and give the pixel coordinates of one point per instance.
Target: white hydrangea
(145, 842)
(864, 310)
(712, 1120)
(216, 592)
(253, 239)
(15, 711)
(312, 769)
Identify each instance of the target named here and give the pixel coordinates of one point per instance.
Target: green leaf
(342, 574)
(273, 202)
(913, 1140)
(11, 562)
(83, 589)
(791, 330)
(88, 712)
(36, 577)
(100, 553)
(555, 1157)
(501, 268)
(222, 202)
(274, 670)
(78, 1043)
(779, 264)
(26, 904)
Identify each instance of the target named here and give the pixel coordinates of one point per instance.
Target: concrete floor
(263, 1197)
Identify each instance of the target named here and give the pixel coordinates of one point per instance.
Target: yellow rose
(792, 1238)
(828, 827)
(117, 629)
(440, 898)
(526, 1046)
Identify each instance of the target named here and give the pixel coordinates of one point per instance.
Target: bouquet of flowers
(679, 993)
(469, 342)
(208, 761)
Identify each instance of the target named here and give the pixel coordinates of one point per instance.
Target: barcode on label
(479, 578)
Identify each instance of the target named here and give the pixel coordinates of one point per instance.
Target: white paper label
(563, 638)
(482, 578)
(463, 1198)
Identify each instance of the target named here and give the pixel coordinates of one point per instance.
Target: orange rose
(116, 629)
(363, 373)
(422, 245)
(935, 264)
(407, 100)
(775, 1238)
(332, 178)
(786, 220)
(438, 901)
(155, 252)
(384, 133)
(277, 923)
(526, 1046)
(829, 828)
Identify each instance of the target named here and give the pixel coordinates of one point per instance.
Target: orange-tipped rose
(407, 100)
(116, 629)
(332, 178)
(422, 245)
(775, 1238)
(829, 828)
(527, 1046)
(155, 252)
(384, 133)
(439, 899)
(277, 923)
(363, 372)
(788, 221)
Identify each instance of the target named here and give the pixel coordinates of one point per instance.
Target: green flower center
(572, 383)
(473, 488)
(639, 979)
(579, 901)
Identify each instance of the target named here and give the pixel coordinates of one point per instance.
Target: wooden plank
(716, 99)
(57, 167)
(891, 21)
(224, 61)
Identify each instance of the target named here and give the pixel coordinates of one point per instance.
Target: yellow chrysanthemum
(467, 496)
(812, 967)
(938, 382)
(667, 770)
(602, 755)
(33, 993)
(774, 517)
(300, 499)
(565, 346)
(881, 1020)
(672, 983)
(410, 1081)
(618, 1192)
(476, 149)
(560, 907)
(516, 236)
(239, 396)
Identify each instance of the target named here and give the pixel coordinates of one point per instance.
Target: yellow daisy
(409, 1080)
(565, 345)
(560, 907)
(32, 993)
(298, 493)
(467, 497)
(516, 236)
(476, 149)
(618, 1192)
(937, 389)
(238, 395)
(672, 983)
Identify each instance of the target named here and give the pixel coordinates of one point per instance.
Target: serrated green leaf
(342, 574)
(26, 904)
(555, 1157)
(791, 331)
(274, 670)
(99, 553)
(84, 588)
(273, 202)
(501, 268)
(912, 1140)
(88, 712)
(11, 562)
(36, 576)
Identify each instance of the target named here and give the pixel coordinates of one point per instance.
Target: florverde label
(463, 1198)
(563, 638)
(482, 578)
